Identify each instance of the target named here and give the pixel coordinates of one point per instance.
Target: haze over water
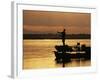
(39, 53)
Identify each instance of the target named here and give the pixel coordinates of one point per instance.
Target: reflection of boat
(65, 53)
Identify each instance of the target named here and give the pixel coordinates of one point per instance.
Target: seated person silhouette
(78, 46)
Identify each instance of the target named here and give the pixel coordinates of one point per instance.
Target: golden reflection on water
(39, 54)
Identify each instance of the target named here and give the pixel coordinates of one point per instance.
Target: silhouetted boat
(66, 53)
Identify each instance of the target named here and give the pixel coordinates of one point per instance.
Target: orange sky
(51, 22)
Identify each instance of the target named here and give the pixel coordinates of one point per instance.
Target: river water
(38, 53)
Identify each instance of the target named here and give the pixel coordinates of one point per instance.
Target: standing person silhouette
(63, 36)
(63, 51)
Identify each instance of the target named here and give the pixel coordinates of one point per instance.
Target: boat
(66, 53)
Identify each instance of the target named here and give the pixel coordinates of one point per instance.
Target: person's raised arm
(59, 32)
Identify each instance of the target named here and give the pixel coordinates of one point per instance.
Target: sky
(53, 22)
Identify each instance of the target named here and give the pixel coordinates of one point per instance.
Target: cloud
(50, 21)
(55, 18)
(54, 29)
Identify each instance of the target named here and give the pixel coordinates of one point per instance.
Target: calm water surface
(39, 53)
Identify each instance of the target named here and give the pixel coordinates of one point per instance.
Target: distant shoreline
(55, 36)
